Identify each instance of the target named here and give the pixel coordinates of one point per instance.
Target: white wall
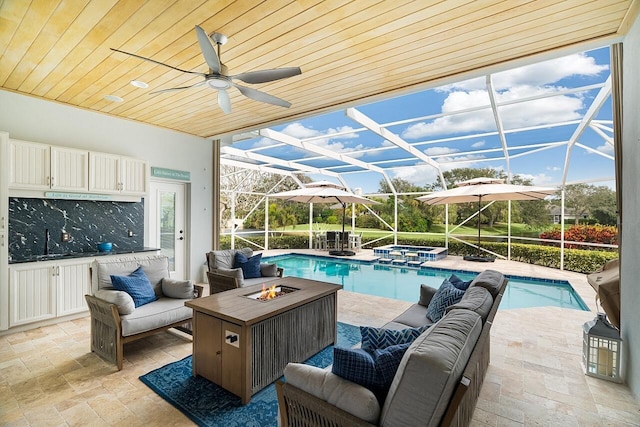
(629, 265)
(47, 122)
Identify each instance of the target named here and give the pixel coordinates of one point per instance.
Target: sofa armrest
(297, 407)
(106, 329)
(198, 291)
(220, 282)
(334, 391)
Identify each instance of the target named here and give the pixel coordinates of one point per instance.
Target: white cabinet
(32, 294)
(40, 291)
(112, 174)
(34, 166)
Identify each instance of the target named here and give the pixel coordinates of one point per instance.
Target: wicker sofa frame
(106, 329)
(299, 408)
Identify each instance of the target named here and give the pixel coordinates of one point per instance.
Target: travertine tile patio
(49, 377)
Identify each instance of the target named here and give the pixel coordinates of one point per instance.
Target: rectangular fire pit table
(243, 344)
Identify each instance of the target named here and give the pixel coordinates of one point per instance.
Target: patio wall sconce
(601, 348)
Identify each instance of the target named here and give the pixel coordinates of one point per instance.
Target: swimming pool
(404, 283)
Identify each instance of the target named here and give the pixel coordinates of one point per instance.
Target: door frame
(152, 221)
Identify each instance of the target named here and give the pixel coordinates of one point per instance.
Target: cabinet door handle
(1, 240)
(48, 181)
(2, 223)
(53, 182)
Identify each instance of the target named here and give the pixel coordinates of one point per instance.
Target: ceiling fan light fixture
(218, 83)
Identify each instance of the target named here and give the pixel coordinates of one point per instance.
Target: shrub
(604, 234)
(578, 260)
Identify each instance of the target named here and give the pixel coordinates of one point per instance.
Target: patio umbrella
(485, 189)
(325, 192)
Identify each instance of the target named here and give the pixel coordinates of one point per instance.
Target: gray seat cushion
(413, 317)
(162, 312)
(491, 280)
(430, 370)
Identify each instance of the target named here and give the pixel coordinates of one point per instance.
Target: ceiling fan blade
(223, 101)
(263, 76)
(257, 95)
(208, 51)
(177, 88)
(159, 63)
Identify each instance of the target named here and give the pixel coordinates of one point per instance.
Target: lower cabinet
(45, 290)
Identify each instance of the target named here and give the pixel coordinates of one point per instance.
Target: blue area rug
(207, 404)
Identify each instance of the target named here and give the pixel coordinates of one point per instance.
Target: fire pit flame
(270, 293)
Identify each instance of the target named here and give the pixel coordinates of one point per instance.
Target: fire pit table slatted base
(243, 344)
(293, 336)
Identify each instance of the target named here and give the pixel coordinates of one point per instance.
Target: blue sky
(476, 143)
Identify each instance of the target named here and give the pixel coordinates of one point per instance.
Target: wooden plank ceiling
(349, 51)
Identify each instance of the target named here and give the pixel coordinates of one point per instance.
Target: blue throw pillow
(445, 296)
(137, 285)
(376, 338)
(459, 283)
(250, 266)
(374, 370)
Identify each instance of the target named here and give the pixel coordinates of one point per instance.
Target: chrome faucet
(47, 236)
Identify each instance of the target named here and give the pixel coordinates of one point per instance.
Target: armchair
(222, 276)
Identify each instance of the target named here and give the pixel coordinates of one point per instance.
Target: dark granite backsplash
(87, 222)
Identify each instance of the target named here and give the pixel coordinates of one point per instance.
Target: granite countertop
(71, 255)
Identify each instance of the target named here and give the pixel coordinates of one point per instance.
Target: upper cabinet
(112, 174)
(42, 167)
(34, 166)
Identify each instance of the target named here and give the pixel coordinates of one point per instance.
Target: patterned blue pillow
(387, 361)
(374, 371)
(250, 266)
(459, 283)
(137, 285)
(445, 296)
(355, 365)
(375, 338)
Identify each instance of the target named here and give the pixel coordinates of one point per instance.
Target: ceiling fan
(218, 78)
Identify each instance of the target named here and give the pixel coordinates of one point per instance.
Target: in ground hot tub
(408, 255)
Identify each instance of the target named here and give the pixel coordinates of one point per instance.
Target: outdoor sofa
(116, 321)
(223, 273)
(437, 382)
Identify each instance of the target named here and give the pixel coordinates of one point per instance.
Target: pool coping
(372, 261)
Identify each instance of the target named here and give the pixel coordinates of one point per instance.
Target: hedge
(578, 260)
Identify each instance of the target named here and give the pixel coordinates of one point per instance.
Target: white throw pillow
(121, 299)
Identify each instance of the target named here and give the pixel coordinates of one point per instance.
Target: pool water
(404, 283)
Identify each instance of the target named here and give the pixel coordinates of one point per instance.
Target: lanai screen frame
(343, 164)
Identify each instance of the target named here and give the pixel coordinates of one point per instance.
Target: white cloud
(553, 168)
(478, 144)
(536, 112)
(606, 148)
(300, 131)
(418, 175)
(540, 179)
(438, 151)
(540, 74)
(549, 72)
(527, 81)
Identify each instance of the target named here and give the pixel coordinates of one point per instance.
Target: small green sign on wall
(171, 174)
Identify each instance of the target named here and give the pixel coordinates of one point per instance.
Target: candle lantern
(601, 348)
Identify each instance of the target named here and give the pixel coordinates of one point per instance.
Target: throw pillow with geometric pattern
(445, 296)
(376, 338)
(459, 283)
